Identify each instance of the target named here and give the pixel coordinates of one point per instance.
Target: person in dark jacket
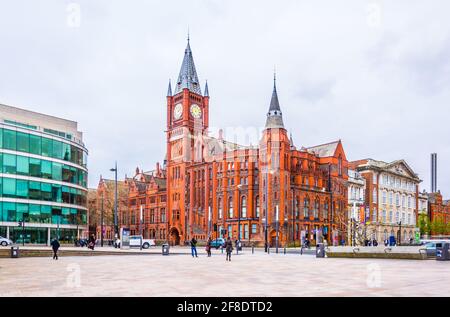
(208, 246)
(194, 247)
(229, 248)
(55, 246)
(91, 243)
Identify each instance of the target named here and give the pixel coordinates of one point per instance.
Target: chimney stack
(433, 172)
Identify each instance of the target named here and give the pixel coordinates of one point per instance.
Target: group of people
(371, 243)
(56, 245)
(228, 246)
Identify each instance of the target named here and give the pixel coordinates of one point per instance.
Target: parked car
(136, 241)
(5, 242)
(217, 243)
(431, 246)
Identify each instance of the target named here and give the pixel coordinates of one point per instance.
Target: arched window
(230, 207)
(244, 207)
(219, 207)
(316, 208)
(306, 208)
(326, 209)
(257, 207)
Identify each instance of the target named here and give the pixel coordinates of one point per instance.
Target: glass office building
(43, 178)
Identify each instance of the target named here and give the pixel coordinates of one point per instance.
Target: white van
(138, 241)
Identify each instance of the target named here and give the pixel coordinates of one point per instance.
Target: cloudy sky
(373, 73)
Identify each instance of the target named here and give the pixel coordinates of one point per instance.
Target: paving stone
(249, 275)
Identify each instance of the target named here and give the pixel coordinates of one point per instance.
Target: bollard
(253, 250)
(268, 250)
(284, 250)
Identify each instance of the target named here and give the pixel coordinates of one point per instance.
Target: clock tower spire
(187, 124)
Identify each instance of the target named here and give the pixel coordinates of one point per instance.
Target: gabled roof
(220, 146)
(161, 182)
(401, 162)
(324, 150)
(188, 74)
(392, 167)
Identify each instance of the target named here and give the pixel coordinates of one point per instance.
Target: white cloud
(381, 84)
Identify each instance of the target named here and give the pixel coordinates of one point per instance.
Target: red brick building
(268, 191)
(147, 193)
(101, 206)
(438, 209)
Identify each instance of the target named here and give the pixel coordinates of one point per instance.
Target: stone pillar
(48, 236)
(7, 232)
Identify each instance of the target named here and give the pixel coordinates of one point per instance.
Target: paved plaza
(246, 275)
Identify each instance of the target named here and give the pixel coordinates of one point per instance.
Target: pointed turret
(291, 141)
(274, 116)
(169, 90)
(188, 75)
(206, 89)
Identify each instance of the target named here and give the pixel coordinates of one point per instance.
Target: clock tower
(187, 123)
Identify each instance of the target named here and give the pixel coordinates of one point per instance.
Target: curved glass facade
(43, 181)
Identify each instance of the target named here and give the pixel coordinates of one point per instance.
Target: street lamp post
(22, 224)
(58, 234)
(400, 233)
(141, 222)
(239, 218)
(116, 231)
(293, 217)
(277, 225)
(209, 221)
(101, 220)
(266, 218)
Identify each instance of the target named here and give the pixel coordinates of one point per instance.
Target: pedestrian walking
(208, 246)
(91, 243)
(194, 247)
(55, 246)
(229, 248)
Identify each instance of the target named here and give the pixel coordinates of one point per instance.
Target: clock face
(196, 111)
(178, 111)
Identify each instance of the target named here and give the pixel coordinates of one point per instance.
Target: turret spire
(206, 89)
(188, 75)
(169, 90)
(274, 116)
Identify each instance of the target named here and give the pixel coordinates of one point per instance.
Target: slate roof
(188, 74)
(324, 150)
